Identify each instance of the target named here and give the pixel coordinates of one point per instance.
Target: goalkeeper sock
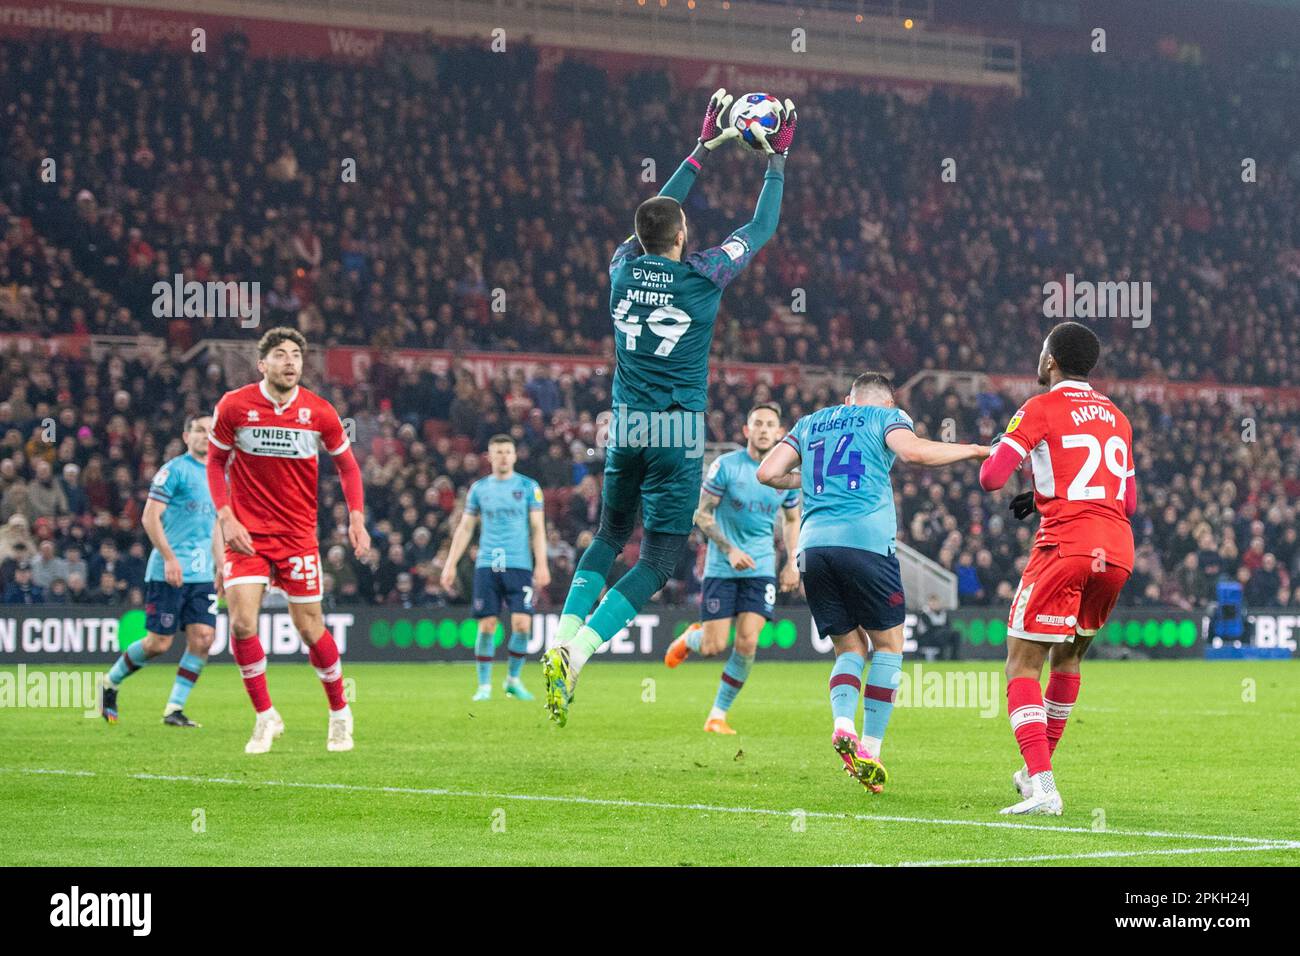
(585, 643)
(588, 581)
(882, 683)
(846, 688)
(615, 612)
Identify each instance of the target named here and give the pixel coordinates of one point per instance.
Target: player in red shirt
(1081, 449)
(270, 433)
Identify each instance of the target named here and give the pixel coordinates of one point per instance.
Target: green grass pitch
(1163, 763)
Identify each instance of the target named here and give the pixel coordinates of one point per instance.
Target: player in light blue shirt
(511, 564)
(181, 579)
(738, 513)
(847, 549)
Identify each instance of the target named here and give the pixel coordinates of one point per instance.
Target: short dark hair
(191, 419)
(1075, 347)
(658, 221)
(772, 407)
(501, 438)
(873, 380)
(278, 335)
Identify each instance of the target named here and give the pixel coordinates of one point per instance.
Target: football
(762, 109)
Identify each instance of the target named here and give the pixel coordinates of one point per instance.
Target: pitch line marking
(1102, 855)
(1170, 711)
(1262, 842)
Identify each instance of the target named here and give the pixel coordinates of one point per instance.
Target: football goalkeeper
(663, 303)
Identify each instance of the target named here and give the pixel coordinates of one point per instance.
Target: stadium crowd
(471, 177)
(223, 167)
(80, 441)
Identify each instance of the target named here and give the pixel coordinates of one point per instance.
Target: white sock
(569, 624)
(1044, 782)
(171, 709)
(872, 745)
(583, 645)
(716, 714)
(270, 714)
(344, 711)
(846, 724)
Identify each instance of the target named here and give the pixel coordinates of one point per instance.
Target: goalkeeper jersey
(664, 311)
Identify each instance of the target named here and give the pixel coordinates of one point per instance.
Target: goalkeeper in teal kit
(663, 303)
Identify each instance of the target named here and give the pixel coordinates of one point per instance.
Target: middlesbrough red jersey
(1081, 449)
(273, 470)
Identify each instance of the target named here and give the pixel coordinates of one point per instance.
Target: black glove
(1022, 505)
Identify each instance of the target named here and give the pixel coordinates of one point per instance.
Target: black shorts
(727, 597)
(511, 589)
(168, 609)
(849, 588)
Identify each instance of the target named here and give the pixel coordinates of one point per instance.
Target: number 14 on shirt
(843, 462)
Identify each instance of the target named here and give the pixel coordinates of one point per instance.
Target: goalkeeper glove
(1022, 505)
(779, 142)
(714, 133)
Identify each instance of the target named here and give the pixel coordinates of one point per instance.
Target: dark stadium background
(518, 171)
